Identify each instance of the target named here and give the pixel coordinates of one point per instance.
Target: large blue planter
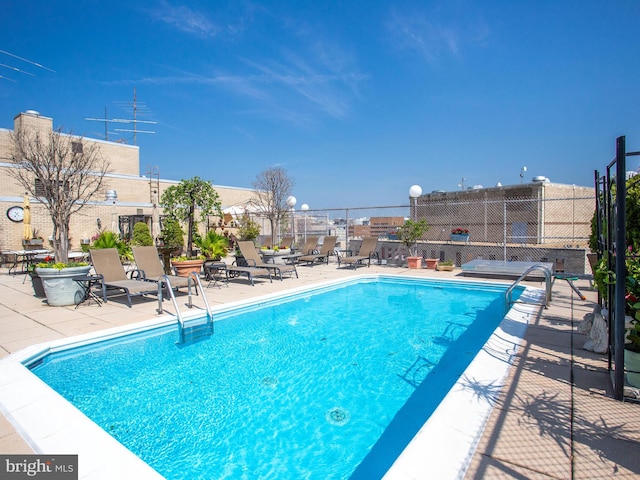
(460, 237)
(59, 285)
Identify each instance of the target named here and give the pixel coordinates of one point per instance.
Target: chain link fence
(530, 229)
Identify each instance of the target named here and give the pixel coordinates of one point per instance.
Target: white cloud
(437, 34)
(186, 20)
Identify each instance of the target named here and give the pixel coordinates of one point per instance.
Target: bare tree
(63, 172)
(273, 186)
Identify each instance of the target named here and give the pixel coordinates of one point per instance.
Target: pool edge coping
(49, 423)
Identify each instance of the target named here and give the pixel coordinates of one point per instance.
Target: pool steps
(189, 329)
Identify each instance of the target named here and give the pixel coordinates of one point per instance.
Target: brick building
(134, 191)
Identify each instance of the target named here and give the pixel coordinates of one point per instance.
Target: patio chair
(106, 263)
(328, 248)
(367, 250)
(233, 271)
(286, 242)
(148, 263)
(309, 247)
(249, 252)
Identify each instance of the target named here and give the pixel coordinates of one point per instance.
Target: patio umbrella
(27, 234)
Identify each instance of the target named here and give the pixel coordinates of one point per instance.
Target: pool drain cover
(338, 416)
(271, 382)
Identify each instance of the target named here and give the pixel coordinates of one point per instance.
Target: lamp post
(291, 202)
(304, 207)
(414, 192)
(112, 196)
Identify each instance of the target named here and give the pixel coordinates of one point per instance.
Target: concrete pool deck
(555, 417)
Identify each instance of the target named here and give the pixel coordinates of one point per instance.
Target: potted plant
(108, 239)
(459, 235)
(181, 201)
(632, 312)
(58, 281)
(632, 350)
(409, 234)
(445, 266)
(213, 245)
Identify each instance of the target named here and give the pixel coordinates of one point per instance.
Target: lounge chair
(106, 263)
(367, 250)
(286, 242)
(327, 249)
(233, 271)
(251, 256)
(309, 247)
(149, 264)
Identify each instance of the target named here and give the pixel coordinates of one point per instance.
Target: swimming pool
(348, 400)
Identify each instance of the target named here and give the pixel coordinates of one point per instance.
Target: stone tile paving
(555, 417)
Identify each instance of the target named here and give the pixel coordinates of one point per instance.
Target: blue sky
(357, 100)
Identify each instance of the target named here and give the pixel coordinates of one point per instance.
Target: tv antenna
(126, 121)
(19, 70)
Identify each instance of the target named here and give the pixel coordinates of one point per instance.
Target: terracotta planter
(432, 263)
(185, 267)
(414, 262)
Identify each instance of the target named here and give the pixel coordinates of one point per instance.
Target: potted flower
(459, 235)
(409, 234)
(58, 281)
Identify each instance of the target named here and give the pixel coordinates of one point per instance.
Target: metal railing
(508, 300)
(194, 280)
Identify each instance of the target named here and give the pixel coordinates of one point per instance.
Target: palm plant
(212, 245)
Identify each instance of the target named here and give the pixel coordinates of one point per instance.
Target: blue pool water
(305, 387)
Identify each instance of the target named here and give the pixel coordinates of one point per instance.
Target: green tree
(248, 229)
(172, 234)
(181, 202)
(411, 232)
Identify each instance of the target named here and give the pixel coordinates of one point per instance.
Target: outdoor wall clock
(15, 213)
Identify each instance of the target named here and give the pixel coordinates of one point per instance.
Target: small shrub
(141, 235)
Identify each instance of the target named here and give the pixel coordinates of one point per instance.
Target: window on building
(76, 147)
(40, 188)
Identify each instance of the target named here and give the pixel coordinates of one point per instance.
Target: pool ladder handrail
(547, 278)
(194, 280)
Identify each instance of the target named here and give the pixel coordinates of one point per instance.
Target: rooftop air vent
(540, 179)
